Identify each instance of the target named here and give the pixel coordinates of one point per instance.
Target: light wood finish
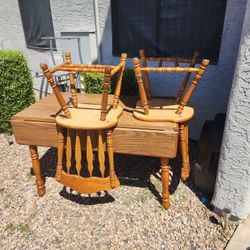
(184, 152)
(165, 114)
(56, 90)
(106, 84)
(71, 80)
(101, 153)
(85, 119)
(89, 154)
(165, 182)
(192, 61)
(119, 81)
(89, 118)
(148, 91)
(37, 170)
(60, 154)
(30, 124)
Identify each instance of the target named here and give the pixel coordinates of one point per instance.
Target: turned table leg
(165, 182)
(37, 170)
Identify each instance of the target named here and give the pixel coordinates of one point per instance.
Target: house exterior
(210, 98)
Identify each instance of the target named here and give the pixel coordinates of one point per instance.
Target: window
(37, 22)
(174, 28)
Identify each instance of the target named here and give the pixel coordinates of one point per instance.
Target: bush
(93, 83)
(15, 86)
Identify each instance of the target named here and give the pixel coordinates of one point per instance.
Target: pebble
(134, 219)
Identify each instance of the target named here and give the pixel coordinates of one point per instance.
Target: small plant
(15, 86)
(22, 228)
(93, 83)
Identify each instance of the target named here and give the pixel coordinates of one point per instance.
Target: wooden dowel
(56, 90)
(192, 86)
(186, 78)
(145, 75)
(101, 154)
(119, 81)
(169, 69)
(106, 85)
(89, 153)
(71, 81)
(138, 75)
(166, 59)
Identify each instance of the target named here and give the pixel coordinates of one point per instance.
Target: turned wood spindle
(142, 92)
(119, 81)
(187, 76)
(106, 84)
(71, 80)
(145, 74)
(192, 86)
(56, 90)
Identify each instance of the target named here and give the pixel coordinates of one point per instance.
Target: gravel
(130, 217)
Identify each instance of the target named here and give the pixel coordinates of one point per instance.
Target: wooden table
(35, 126)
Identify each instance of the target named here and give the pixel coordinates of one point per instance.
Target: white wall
(212, 93)
(232, 189)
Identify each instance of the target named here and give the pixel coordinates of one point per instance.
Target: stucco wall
(211, 95)
(233, 180)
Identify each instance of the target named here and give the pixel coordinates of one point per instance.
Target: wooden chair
(178, 113)
(77, 123)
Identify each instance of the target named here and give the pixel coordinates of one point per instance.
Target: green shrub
(93, 83)
(15, 86)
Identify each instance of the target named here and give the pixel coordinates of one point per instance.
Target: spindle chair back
(80, 124)
(144, 61)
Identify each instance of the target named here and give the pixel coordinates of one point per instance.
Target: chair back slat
(145, 74)
(56, 90)
(186, 78)
(89, 154)
(192, 86)
(71, 80)
(101, 154)
(68, 151)
(106, 84)
(78, 153)
(142, 92)
(119, 81)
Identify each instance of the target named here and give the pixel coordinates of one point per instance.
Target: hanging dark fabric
(168, 27)
(37, 22)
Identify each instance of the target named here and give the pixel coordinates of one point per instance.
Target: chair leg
(37, 170)
(59, 154)
(165, 182)
(111, 159)
(184, 151)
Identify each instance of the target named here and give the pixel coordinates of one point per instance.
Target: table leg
(184, 152)
(165, 182)
(37, 170)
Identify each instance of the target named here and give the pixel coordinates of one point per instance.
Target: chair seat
(164, 114)
(88, 117)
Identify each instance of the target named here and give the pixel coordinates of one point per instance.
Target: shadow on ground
(131, 171)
